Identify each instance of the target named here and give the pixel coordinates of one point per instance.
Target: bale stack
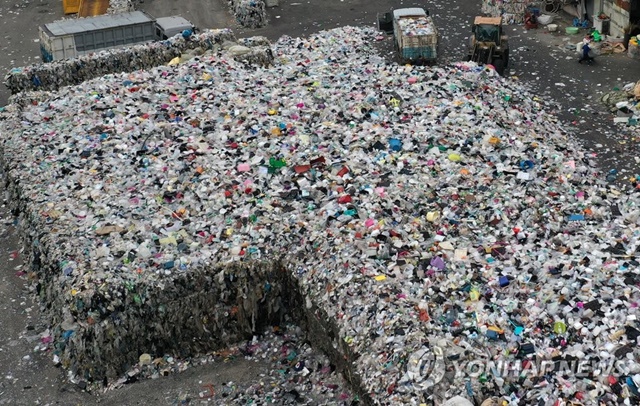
(512, 11)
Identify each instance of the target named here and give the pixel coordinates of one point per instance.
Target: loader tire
(498, 63)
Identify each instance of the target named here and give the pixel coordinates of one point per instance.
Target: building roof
(74, 26)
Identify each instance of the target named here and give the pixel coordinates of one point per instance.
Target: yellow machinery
(488, 44)
(70, 6)
(85, 8)
(90, 8)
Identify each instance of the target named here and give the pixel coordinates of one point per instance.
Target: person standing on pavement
(585, 51)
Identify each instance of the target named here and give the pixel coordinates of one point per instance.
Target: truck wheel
(498, 63)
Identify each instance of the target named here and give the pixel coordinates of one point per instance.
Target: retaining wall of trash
(254, 51)
(54, 75)
(192, 313)
(324, 334)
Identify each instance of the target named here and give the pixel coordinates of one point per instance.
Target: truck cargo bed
(416, 36)
(417, 26)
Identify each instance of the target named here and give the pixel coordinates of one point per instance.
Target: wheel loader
(488, 44)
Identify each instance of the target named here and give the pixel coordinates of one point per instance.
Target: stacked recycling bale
(67, 72)
(512, 11)
(634, 47)
(249, 13)
(120, 6)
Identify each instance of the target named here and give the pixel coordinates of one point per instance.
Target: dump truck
(415, 36)
(74, 37)
(488, 44)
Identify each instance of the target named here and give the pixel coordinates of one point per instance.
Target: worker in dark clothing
(585, 53)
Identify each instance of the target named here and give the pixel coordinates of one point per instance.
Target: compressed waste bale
(120, 6)
(238, 50)
(66, 72)
(257, 56)
(634, 48)
(256, 41)
(249, 13)
(512, 11)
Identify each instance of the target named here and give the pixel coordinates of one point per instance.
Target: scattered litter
(625, 104)
(296, 372)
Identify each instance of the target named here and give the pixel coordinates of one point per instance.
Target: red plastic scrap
(343, 171)
(210, 389)
(320, 161)
(344, 199)
(302, 168)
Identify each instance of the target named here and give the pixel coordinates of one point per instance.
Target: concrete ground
(540, 60)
